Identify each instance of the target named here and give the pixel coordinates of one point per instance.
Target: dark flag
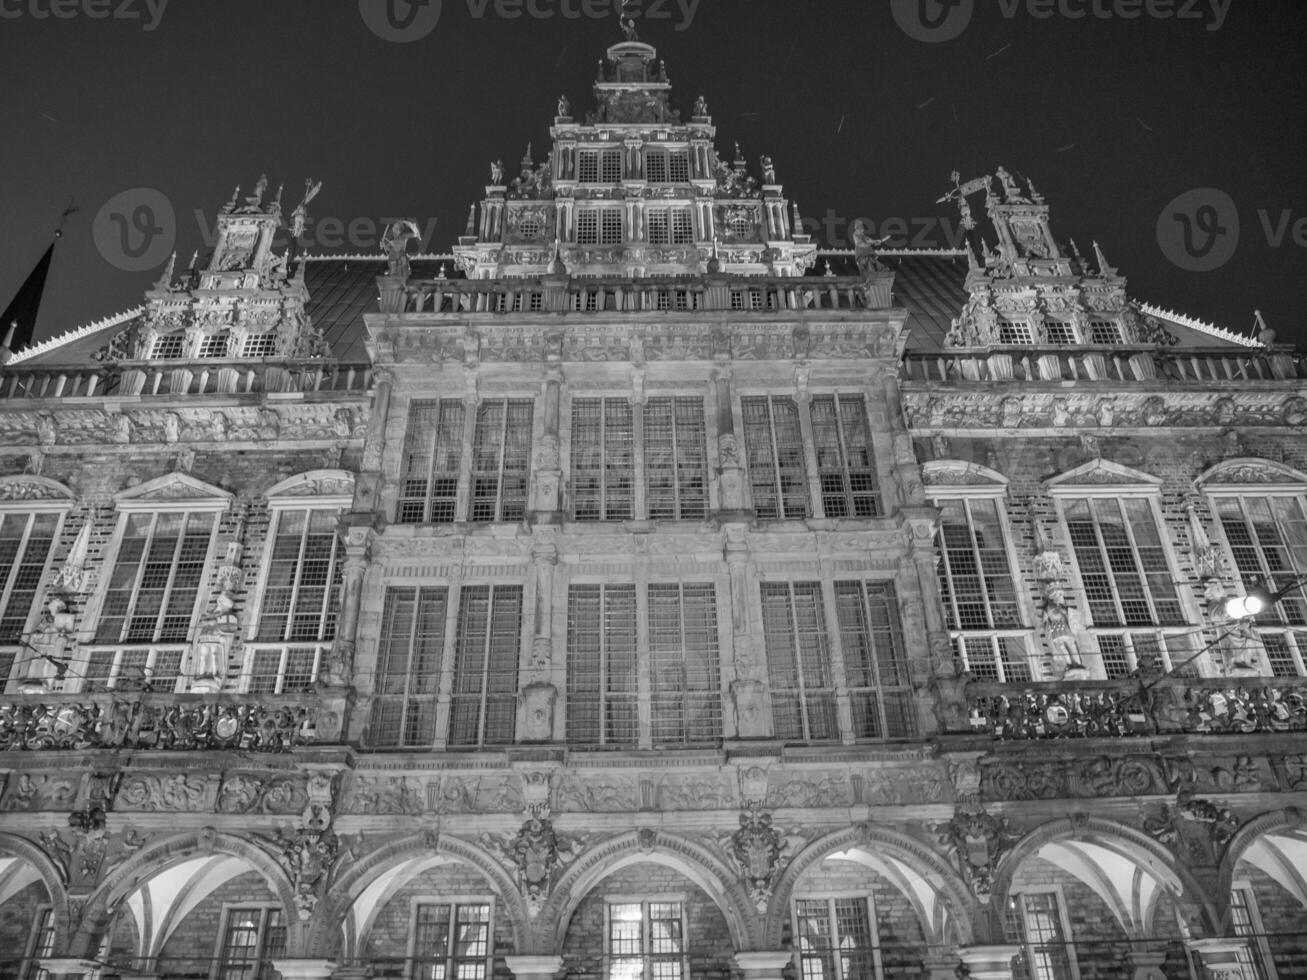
(19, 320)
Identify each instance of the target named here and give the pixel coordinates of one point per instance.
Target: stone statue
(1059, 630)
(395, 244)
(564, 107)
(299, 216)
(768, 170)
(628, 30)
(701, 106)
(1010, 190)
(497, 173)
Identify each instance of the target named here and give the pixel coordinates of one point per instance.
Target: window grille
(667, 166)
(646, 941)
(501, 460)
(1048, 954)
(251, 939)
(26, 541)
(1105, 332)
(1060, 333)
(40, 943)
(835, 939)
(875, 664)
(773, 439)
(599, 166)
(1015, 332)
(845, 468)
(486, 658)
(303, 579)
(133, 669)
(683, 664)
(602, 690)
(603, 459)
(433, 450)
(412, 642)
(610, 226)
(215, 345)
(169, 347)
(260, 345)
(798, 661)
(675, 459)
(452, 942)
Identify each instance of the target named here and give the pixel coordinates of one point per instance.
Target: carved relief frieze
(25, 791)
(167, 792)
(261, 793)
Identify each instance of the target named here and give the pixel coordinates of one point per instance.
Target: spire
(18, 322)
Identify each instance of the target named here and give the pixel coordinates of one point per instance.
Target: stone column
(548, 461)
(534, 967)
(989, 962)
(763, 966)
(304, 969)
(748, 689)
(730, 476)
(1221, 958)
(539, 694)
(1146, 963)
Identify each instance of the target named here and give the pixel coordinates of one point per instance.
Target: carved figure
(564, 107)
(756, 847)
(700, 107)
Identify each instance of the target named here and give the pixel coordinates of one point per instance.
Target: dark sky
(1114, 117)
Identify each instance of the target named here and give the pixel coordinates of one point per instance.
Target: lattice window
(250, 940)
(599, 226)
(610, 226)
(845, 468)
(451, 942)
(773, 439)
(303, 579)
(138, 668)
(40, 943)
(835, 939)
(1105, 332)
(433, 449)
(284, 669)
(875, 663)
(26, 542)
(1038, 919)
(1127, 651)
(602, 689)
(169, 347)
(798, 661)
(486, 657)
(667, 166)
(684, 672)
(646, 941)
(603, 459)
(1267, 538)
(412, 642)
(994, 658)
(1286, 652)
(501, 460)
(669, 226)
(975, 576)
(1015, 332)
(1122, 561)
(215, 345)
(1060, 333)
(154, 588)
(587, 227)
(599, 166)
(675, 459)
(740, 227)
(260, 345)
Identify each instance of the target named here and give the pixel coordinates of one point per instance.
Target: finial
(556, 264)
(1103, 268)
(973, 263)
(715, 261)
(529, 157)
(442, 271)
(195, 257)
(739, 154)
(165, 280)
(276, 201)
(471, 221)
(235, 196)
(1265, 334)
(1035, 196)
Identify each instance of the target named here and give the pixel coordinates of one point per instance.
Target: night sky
(1112, 116)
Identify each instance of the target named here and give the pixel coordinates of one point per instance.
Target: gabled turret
(634, 191)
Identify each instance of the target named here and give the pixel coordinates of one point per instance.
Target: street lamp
(1259, 599)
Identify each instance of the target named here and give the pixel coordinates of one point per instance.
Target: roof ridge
(77, 334)
(1202, 326)
(377, 257)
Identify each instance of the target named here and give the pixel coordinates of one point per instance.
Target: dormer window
(169, 347)
(215, 345)
(599, 166)
(1015, 332)
(1060, 333)
(1105, 332)
(260, 345)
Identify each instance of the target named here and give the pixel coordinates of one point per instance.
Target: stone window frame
(643, 584)
(960, 480)
(454, 902)
(466, 506)
(46, 497)
(1281, 483)
(280, 500)
(814, 498)
(643, 468)
(175, 493)
(1171, 643)
(1068, 937)
(261, 967)
(1259, 959)
(645, 901)
(831, 897)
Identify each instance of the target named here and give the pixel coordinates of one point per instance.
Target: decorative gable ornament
(1252, 472)
(179, 488)
(1101, 473)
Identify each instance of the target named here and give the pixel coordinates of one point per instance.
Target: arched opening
(1268, 902)
(1074, 896)
(28, 917)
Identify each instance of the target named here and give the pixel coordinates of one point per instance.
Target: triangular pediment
(314, 484)
(1102, 473)
(961, 473)
(174, 488)
(1251, 471)
(27, 487)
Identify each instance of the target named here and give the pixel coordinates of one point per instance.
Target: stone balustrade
(1132, 707)
(196, 377)
(169, 722)
(1119, 363)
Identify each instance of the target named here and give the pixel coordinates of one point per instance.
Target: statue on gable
(1011, 192)
(864, 249)
(395, 244)
(299, 216)
(254, 203)
(564, 107)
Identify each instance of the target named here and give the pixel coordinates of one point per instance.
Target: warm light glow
(1244, 607)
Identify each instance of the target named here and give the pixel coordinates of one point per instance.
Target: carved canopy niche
(174, 491)
(959, 478)
(1101, 473)
(1251, 473)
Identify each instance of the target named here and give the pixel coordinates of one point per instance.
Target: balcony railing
(1129, 707)
(207, 377)
(754, 294)
(1115, 364)
(160, 722)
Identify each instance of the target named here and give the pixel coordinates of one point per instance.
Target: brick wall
(1284, 921)
(17, 917)
(191, 949)
(387, 943)
(708, 939)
